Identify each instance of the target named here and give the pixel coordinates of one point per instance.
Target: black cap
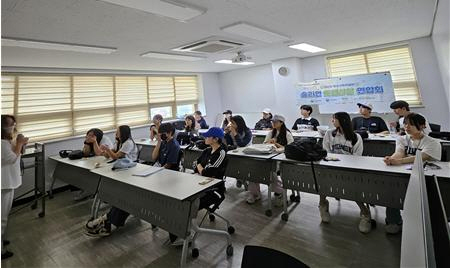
(227, 112)
(399, 104)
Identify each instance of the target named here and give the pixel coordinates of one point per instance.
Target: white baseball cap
(278, 117)
(267, 111)
(365, 105)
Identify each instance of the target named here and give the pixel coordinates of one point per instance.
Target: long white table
(78, 173)
(168, 199)
(253, 168)
(357, 178)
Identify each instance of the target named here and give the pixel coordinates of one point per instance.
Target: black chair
(435, 127)
(262, 257)
(211, 201)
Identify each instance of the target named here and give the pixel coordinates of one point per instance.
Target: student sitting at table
(190, 125)
(306, 122)
(280, 136)
(211, 163)
(237, 133)
(265, 122)
(401, 108)
(123, 148)
(94, 140)
(372, 124)
(167, 149)
(226, 118)
(405, 150)
(342, 140)
(200, 120)
(154, 126)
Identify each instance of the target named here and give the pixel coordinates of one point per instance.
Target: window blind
(8, 86)
(131, 100)
(44, 107)
(397, 61)
(93, 103)
(186, 88)
(160, 89)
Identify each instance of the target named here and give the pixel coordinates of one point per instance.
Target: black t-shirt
(308, 123)
(373, 124)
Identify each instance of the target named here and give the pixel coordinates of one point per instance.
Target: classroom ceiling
(336, 25)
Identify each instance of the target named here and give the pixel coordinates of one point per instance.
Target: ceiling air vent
(211, 46)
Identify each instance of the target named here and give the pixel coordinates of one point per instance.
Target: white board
(343, 93)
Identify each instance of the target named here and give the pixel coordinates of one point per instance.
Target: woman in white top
(11, 177)
(279, 136)
(124, 146)
(342, 140)
(95, 139)
(405, 151)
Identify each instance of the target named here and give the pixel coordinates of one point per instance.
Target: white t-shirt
(339, 145)
(427, 144)
(11, 177)
(426, 130)
(129, 148)
(289, 137)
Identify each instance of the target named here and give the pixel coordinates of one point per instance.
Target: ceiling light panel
(157, 55)
(307, 47)
(253, 32)
(235, 63)
(170, 9)
(13, 42)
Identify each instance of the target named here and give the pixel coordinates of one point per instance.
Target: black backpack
(305, 150)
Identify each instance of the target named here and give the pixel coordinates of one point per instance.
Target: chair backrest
(261, 257)
(435, 127)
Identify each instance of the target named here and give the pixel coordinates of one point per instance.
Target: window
(183, 110)
(56, 106)
(396, 60)
(166, 112)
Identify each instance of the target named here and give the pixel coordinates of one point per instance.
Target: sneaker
(7, 254)
(94, 224)
(81, 196)
(393, 228)
(324, 213)
(278, 200)
(251, 199)
(100, 232)
(364, 224)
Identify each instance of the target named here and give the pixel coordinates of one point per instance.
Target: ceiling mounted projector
(240, 58)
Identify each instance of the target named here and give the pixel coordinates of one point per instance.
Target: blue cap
(215, 132)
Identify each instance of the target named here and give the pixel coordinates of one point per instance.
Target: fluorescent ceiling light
(165, 8)
(166, 56)
(13, 42)
(236, 63)
(307, 47)
(253, 32)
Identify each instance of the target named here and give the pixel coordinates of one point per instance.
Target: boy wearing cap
(372, 124)
(306, 122)
(401, 108)
(266, 122)
(226, 118)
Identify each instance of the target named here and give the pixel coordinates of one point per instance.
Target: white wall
(242, 86)
(210, 99)
(441, 42)
(248, 91)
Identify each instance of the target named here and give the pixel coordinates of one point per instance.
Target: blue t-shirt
(168, 152)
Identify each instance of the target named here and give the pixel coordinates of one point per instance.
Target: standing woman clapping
(12, 145)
